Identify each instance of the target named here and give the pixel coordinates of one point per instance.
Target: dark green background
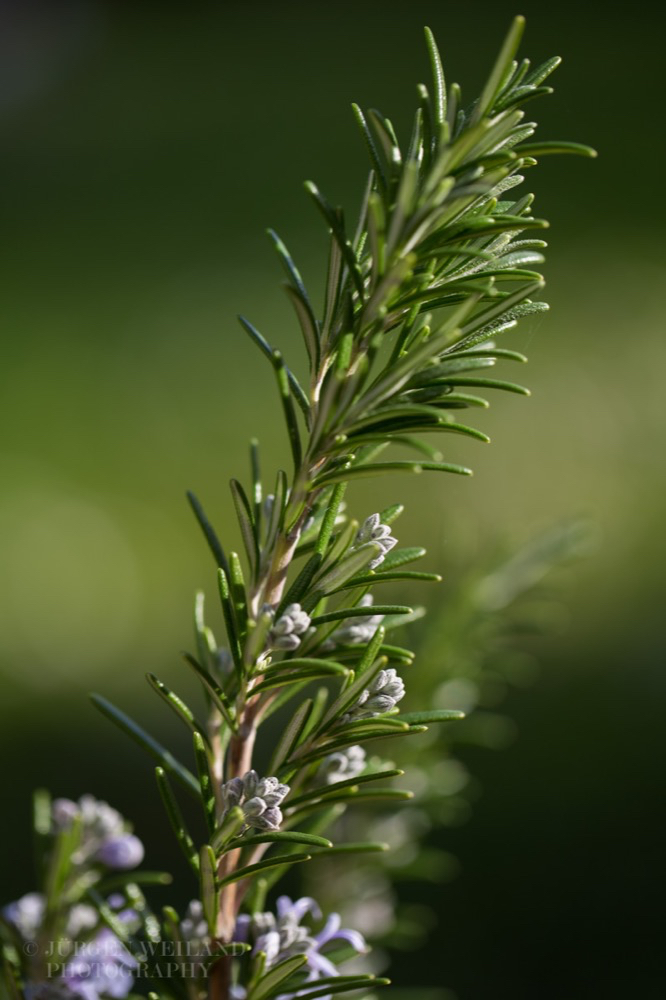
(144, 149)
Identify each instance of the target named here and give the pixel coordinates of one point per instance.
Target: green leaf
(260, 866)
(500, 69)
(486, 317)
(375, 158)
(213, 689)
(210, 886)
(496, 352)
(308, 324)
(206, 781)
(281, 679)
(268, 984)
(323, 790)
(362, 847)
(238, 594)
(337, 229)
(290, 268)
(547, 148)
(175, 703)
(379, 468)
(280, 837)
(205, 640)
(290, 736)
(376, 732)
(229, 613)
(301, 584)
(360, 612)
(176, 819)
(165, 759)
(288, 408)
(385, 133)
(398, 557)
(431, 715)
(234, 820)
(486, 383)
(266, 349)
(543, 71)
(371, 579)
(329, 666)
(368, 795)
(281, 699)
(301, 302)
(439, 84)
(328, 521)
(346, 567)
(248, 528)
(390, 720)
(257, 492)
(209, 533)
(333, 288)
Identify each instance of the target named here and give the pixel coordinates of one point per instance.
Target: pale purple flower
(98, 967)
(121, 853)
(81, 918)
(104, 835)
(26, 914)
(101, 967)
(343, 765)
(283, 935)
(259, 798)
(98, 819)
(286, 632)
(194, 926)
(384, 692)
(372, 530)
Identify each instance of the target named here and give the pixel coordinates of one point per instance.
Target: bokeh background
(145, 148)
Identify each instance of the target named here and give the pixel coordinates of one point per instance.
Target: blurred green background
(145, 148)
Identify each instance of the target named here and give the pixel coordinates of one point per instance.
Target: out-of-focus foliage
(475, 644)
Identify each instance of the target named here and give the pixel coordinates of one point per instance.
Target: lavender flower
(104, 835)
(82, 918)
(290, 626)
(194, 926)
(121, 853)
(343, 765)
(101, 967)
(283, 936)
(26, 914)
(259, 798)
(98, 819)
(384, 692)
(372, 530)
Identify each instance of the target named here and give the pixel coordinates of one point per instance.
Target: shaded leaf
(147, 743)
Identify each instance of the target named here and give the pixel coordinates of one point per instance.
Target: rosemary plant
(441, 262)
